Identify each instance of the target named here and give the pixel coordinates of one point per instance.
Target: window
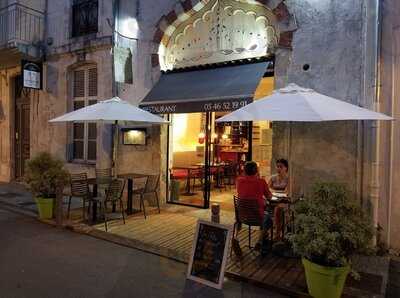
(84, 17)
(84, 134)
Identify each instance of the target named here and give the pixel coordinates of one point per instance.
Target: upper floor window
(84, 134)
(84, 17)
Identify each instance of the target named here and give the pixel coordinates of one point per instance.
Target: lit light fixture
(214, 136)
(224, 136)
(201, 137)
(134, 136)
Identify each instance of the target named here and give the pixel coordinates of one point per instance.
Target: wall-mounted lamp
(134, 136)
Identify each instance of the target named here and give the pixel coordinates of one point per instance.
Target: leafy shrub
(44, 173)
(330, 227)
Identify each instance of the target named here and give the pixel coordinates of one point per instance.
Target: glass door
(189, 156)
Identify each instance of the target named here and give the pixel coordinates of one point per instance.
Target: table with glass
(129, 177)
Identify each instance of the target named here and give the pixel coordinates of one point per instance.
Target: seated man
(251, 186)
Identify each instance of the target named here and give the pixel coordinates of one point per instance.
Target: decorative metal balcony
(20, 25)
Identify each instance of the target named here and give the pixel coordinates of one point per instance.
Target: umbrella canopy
(111, 110)
(297, 104)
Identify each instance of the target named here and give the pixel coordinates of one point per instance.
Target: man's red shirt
(252, 187)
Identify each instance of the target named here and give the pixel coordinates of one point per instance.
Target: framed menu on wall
(209, 253)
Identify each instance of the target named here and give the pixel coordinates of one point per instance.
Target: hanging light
(201, 137)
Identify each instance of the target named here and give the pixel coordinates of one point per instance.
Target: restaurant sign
(32, 74)
(209, 254)
(197, 106)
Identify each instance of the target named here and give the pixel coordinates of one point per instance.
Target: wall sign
(209, 254)
(197, 106)
(32, 74)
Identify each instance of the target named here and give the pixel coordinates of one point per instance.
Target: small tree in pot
(330, 228)
(44, 174)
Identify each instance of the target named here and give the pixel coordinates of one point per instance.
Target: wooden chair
(151, 187)
(79, 189)
(230, 172)
(198, 174)
(113, 195)
(247, 213)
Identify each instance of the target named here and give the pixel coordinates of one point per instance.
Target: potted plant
(330, 227)
(44, 174)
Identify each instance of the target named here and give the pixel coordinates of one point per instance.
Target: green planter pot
(45, 207)
(325, 282)
(175, 187)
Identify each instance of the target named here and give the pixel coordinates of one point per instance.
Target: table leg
(129, 206)
(188, 191)
(94, 205)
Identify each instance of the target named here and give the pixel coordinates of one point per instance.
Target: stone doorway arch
(283, 21)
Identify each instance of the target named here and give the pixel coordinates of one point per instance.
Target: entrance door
(22, 127)
(188, 159)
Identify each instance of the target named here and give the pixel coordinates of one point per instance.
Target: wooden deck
(170, 234)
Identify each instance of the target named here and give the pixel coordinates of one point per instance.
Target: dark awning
(217, 89)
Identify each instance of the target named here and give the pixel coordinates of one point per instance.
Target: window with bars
(84, 134)
(84, 17)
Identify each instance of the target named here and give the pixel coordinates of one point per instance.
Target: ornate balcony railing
(20, 24)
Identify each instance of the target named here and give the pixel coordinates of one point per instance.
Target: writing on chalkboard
(209, 253)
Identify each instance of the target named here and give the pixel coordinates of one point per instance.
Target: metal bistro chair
(113, 195)
(103, 177)
(79, 189)
(151, 187)
(247, 213)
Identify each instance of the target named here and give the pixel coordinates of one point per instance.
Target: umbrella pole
(115, 147)
(289, 157)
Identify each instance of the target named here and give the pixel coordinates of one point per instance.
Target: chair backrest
(79, 185)
(247, 211)
(152, 183)
(231, 169)
(115, 189)
(104, 175)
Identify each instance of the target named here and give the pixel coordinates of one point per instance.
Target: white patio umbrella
(111, 111)
(297, 104)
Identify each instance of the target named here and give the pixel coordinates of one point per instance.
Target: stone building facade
(330, 46)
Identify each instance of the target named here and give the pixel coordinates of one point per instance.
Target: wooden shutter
(92, 81)
(79, 83)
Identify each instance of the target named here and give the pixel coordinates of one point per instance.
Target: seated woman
(251, 186)
(280, 183)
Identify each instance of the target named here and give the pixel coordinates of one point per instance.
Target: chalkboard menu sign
(209, 253)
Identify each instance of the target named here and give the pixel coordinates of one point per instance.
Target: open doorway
(206, 157)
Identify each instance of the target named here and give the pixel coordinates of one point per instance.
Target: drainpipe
(374, 182)
(114, 88)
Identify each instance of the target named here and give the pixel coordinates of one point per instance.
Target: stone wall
(56, 100)
(329, 39)
(388, 154)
